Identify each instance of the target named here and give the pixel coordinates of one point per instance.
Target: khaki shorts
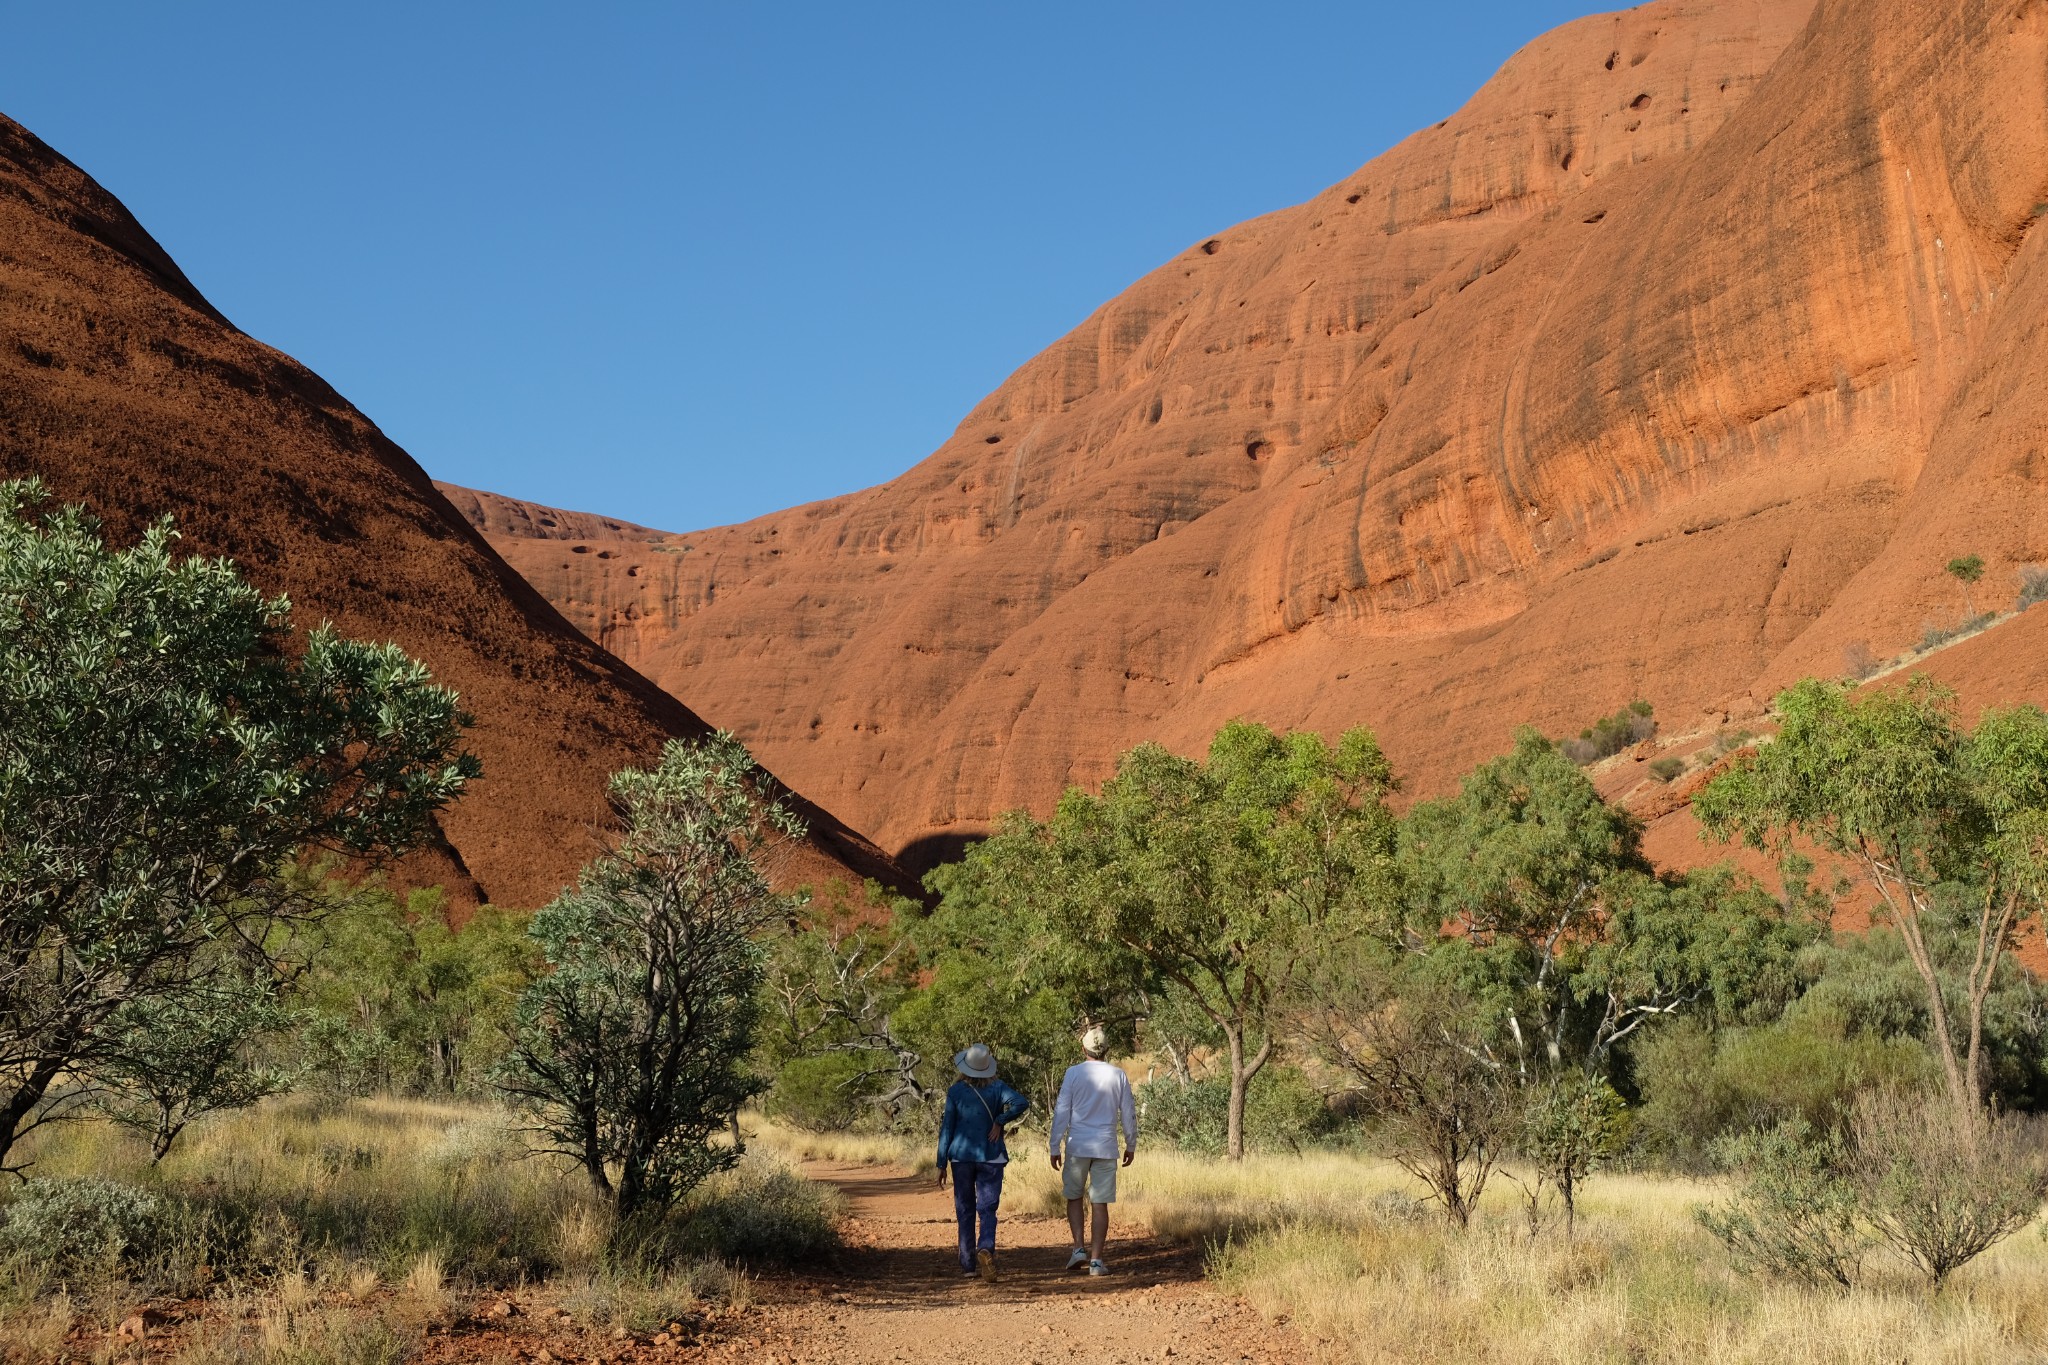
(1095, 1174)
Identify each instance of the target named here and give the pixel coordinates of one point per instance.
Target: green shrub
(1188, 1116)
(84, 1225)
(1282, 1112)
(1699, 1086)
(1794, 1214)
(762, 1213)
(1611, 734)
(826, 1093)
(1664, 769)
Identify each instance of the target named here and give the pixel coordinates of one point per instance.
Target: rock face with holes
(122, 388)
(1679, 360)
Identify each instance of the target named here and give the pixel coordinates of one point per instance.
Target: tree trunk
(593, 1159)
(1241, 1073)
(1908, 925)
(1233, 1142)
(24, 1100)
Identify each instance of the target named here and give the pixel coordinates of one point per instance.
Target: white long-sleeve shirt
(1093, 1096)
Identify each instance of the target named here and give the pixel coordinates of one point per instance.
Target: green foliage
(1795, 1212)
(166, 746)
(1665, 769)
(1283, 1113)
(761, 1213)
(1611, 734)
(1892, 785)
(1219, 878)
(197, 1051)
(1571, 1125)
(831, 1037)
(1702, 1086)
(631, 1052)
(828, 1091)
(397, 1000)
(1561, 938)
(82, 1226)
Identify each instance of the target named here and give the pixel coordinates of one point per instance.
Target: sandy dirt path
(896, 1295)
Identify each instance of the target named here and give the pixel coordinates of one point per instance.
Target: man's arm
(1129, 1103)
(1062, 1116)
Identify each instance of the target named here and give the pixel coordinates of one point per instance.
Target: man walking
(1094, 1097)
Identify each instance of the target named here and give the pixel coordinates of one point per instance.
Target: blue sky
(689, 264)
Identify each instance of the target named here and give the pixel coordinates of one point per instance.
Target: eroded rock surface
(1680, 359)
(122, 388)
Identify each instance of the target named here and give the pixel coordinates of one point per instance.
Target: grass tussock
(852, 1149)
(318, 1232)
(1367, 1272)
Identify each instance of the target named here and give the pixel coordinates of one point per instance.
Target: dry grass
(356, 1228)
(1340, 1246)
(853, 1149)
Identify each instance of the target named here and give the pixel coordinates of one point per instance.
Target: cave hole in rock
(1156, 411)
(1209, 247)
(1254, 449)
(1566, 164)
(1640, 100)
(1637, 60)
(1612, 58)
(579, 549)
(991, 440)
(1353, 198)
(1596, 217)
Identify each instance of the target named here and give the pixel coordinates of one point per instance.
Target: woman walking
(978, 1108)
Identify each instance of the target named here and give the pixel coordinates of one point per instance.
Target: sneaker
(985, 1265)
(1078, 1259)
(1097, 1268)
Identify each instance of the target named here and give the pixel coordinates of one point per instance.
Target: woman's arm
(1015, 1105)
(946, 1122)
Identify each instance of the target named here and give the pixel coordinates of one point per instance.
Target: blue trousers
(977, 1189)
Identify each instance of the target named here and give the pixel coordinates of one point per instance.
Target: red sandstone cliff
(125, 390)
(1680, 358)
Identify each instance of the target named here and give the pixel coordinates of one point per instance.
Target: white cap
(975, 1060)
(1094, 1042)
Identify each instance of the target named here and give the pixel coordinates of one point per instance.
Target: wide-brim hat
(975, 1061)
(1095, 1041)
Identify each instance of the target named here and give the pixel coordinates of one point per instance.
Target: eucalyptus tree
(1534, 894)
(1894, 786)
(167, 748)
(1222, 879)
